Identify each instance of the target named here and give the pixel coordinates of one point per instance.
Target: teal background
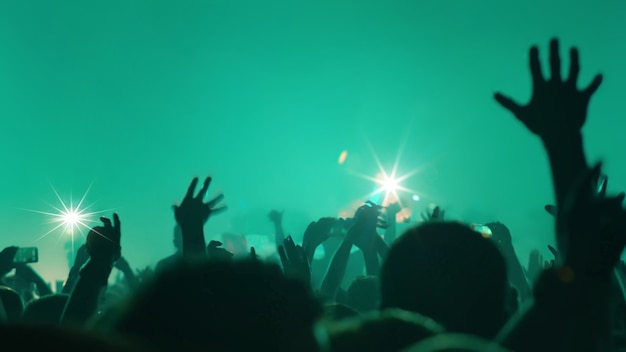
(137, 97)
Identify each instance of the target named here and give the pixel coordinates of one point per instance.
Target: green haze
(138, 96)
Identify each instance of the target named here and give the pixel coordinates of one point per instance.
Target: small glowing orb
(342, 157)
(415, 197)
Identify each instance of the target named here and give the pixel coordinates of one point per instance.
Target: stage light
(389, 185)
(69, 218)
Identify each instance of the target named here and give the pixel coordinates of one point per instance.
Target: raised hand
(591, 228)
(315, 234)
(367, 219)
(276, 216)
(600, 187)
(500, 234)
(6, 260)
(294, 261)
(557, 106)
(434, 214)
(215, 251)
(103, 242)
(555, 258)
(193, 212)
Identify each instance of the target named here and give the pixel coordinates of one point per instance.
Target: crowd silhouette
(439, 286)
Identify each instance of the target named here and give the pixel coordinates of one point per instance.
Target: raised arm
(103, 246)
(556, 113)
(276, 217)
(570, 309)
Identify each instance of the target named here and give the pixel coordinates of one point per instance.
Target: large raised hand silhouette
(556, 105)
(191, 215)
(193, 211)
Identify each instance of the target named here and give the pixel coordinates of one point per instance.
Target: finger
(214, 244)
(535, 66)
(595, 84)
(116, 221)
(508, 103)
(106, 221)
(205, 188)
(213, 202)
(555, 60)
(553, 250)
(218, 210)
(551, 209)
(574, 66)
(192, 188)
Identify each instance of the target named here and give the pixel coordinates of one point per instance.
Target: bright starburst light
(389, 184)
(69, 218)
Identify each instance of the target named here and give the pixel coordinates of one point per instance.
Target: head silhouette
(450, 273)
(12, 302)
(222, 305)
(46, 310)
(364, 293)
(388, 330)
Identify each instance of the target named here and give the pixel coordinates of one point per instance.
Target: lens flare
(389, 187)
(69, 218)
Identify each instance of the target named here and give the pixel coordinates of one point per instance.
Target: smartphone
(341, 226)
(482, 229)
(26, 255)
